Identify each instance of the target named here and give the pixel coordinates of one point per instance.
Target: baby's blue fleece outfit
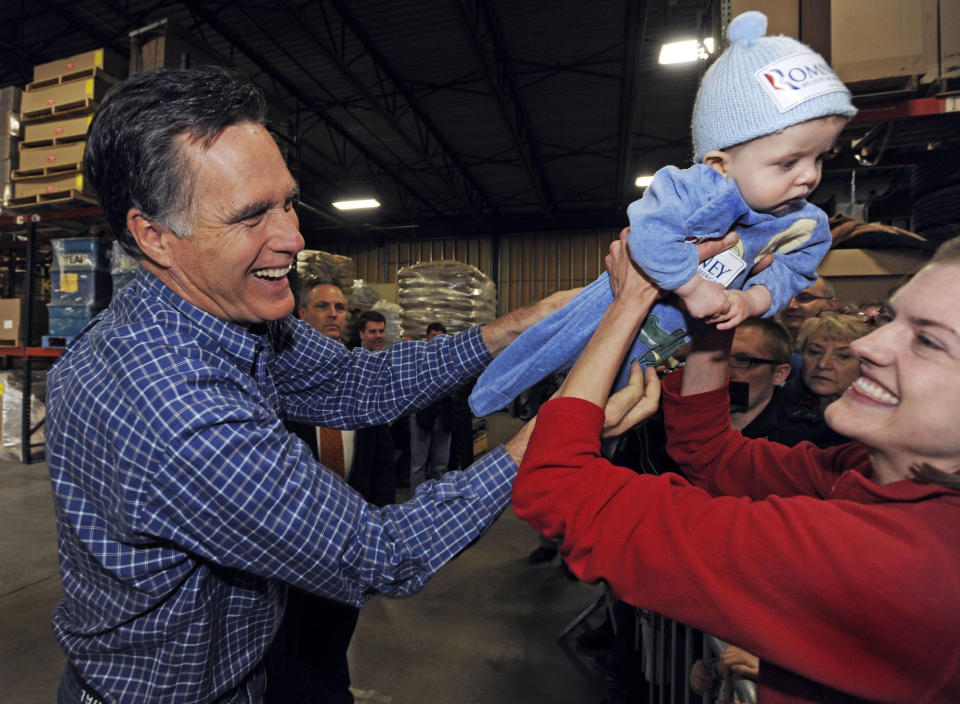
(679, 208)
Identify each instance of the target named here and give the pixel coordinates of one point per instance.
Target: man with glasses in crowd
(809, 303)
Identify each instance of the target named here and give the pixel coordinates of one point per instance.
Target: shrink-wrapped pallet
(363, 296)
(11, 398)
(456, 294)
(314, 263)
(392, 312)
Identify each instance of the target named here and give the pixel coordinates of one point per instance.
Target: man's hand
(701, 678)
(738, 661)
(633, 404)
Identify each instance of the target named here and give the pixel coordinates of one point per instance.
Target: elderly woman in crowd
(828, 367)
(838, 567)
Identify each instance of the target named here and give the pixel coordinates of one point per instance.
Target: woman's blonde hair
(841, 327)
(947, 253)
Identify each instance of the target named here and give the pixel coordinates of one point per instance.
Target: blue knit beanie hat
(761, 85)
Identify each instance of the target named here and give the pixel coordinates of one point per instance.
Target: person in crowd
(760, 358)
(430, 432)
(809, 303)
(836, 567)
(184, 507)
(828, 366)
(870, 310)
(323, 305)
(758, 153)
(372, 329)
(302, 667)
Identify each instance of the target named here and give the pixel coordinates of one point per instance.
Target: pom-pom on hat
(761, 85)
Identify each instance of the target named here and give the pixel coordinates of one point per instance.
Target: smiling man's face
(245, 235)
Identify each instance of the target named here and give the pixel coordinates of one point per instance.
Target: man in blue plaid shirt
(184, 507)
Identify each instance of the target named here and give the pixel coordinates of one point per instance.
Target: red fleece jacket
(843, 588)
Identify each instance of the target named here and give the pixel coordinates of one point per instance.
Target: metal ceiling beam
(201, 11)
(635, 35)
(67, 13)
(482, 29)
(395, 99)
(339, 146)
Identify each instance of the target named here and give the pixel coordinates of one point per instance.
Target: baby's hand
(735, 310)
(702, 298)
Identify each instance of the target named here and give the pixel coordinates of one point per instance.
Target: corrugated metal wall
(530, 267)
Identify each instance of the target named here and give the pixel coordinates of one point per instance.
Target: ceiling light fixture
(356, 204)
(643, 181)
(686, 51)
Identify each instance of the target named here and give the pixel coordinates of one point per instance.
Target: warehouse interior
(508, 137)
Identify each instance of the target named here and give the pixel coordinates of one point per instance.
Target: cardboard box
(805, 20)
(9, 149)
(10, 99)
(783, 16)
(10, 123)
(479, 444)
(53, 131)
(10, 322)
(869, 274)
(164, 43)
(57, 98)
(107, 61)
(949, 39)
(64, 156)
(23, 188)
(884, 39)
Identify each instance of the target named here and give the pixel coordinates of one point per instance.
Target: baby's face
(775, 171)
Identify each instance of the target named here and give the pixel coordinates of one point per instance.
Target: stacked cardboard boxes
(9, 138)
(880, 45)
(55, 112)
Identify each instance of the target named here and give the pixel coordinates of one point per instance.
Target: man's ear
(717, 160)
(151, 236)
(780, 373)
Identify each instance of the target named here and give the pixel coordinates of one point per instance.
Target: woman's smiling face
(905, 405)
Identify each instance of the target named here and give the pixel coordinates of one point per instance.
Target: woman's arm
(706, 365)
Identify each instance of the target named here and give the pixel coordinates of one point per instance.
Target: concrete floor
(483, 631)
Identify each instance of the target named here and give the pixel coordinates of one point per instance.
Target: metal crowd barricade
(669, 650)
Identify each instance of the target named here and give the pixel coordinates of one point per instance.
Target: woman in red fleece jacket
(839, 568)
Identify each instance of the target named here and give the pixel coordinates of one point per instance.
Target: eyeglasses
(810, 298)
(742, 361)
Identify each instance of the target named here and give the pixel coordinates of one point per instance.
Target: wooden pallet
(39, 172)
(76, 107)
(949, 86)
(59, 200)
(53, 141)
(72, 76)
(56, 340)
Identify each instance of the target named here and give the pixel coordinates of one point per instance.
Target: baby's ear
(717, 160)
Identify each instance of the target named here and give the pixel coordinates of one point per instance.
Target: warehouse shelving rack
(33, 228)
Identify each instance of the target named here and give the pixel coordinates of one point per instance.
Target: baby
(767, 112)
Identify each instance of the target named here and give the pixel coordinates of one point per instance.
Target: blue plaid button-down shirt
(183, 506)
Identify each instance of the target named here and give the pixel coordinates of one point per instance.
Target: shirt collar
(240, 344)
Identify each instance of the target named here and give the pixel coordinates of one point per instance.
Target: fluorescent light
(643, 181)
(686, 51)
(356, 204)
